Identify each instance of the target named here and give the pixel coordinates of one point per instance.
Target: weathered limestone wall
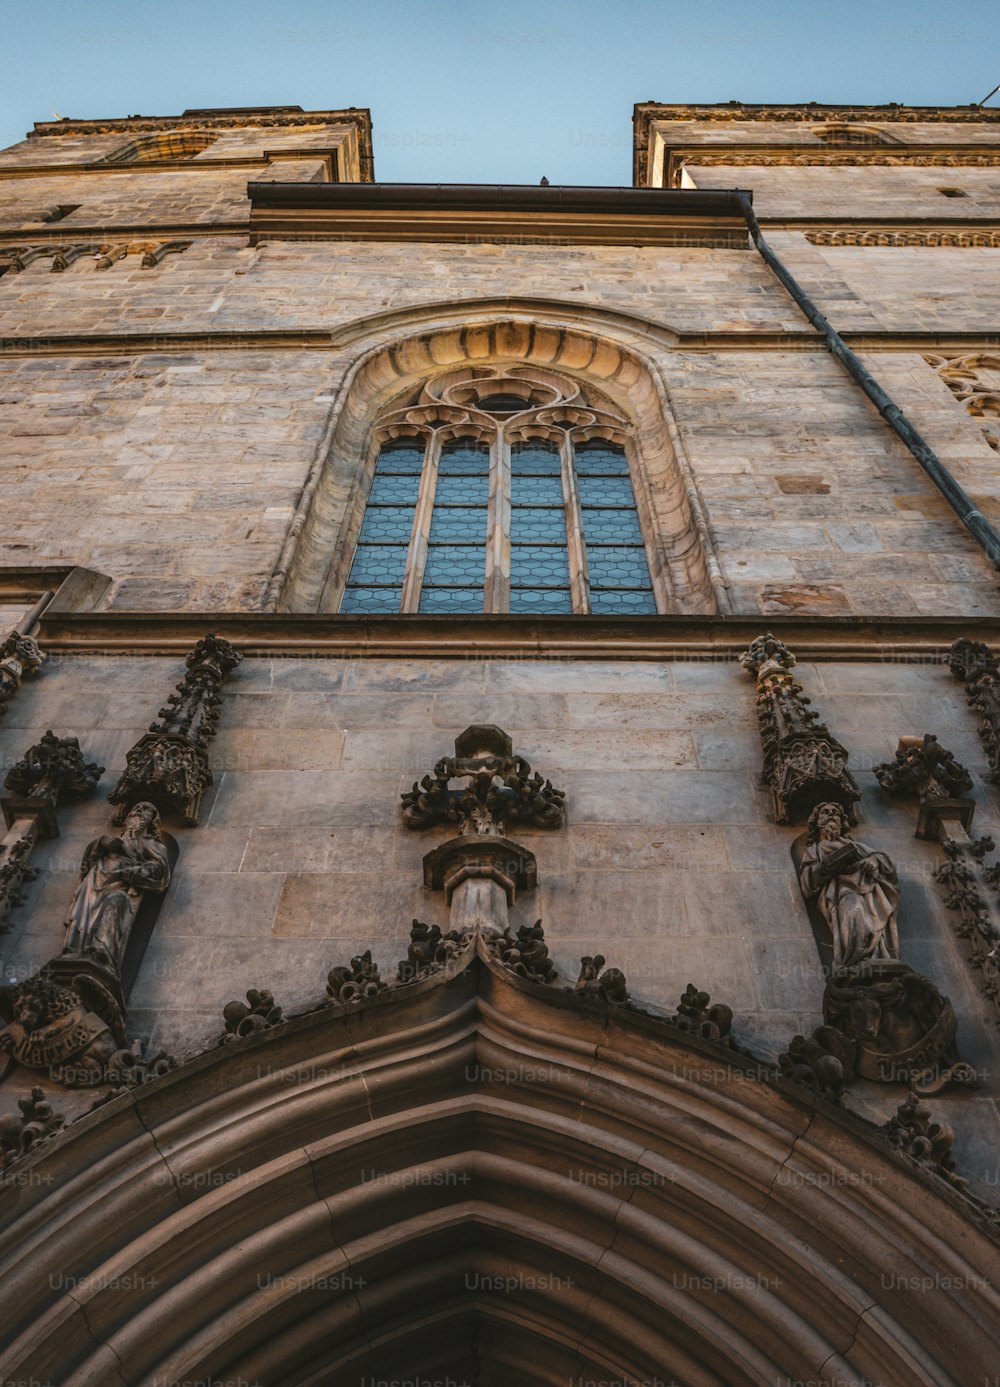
(670, 865)
(871, 190)
(176, 474)
(131, 199)
(57, 148)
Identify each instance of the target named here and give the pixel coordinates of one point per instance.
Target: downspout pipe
(960, 501)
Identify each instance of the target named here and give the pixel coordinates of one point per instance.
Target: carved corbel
(51, 770)
(23, 256)
(979, 671)
(156, 253)
(66, 255)
(169, 765)
(803, 764)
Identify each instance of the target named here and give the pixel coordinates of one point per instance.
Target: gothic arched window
(501, 491)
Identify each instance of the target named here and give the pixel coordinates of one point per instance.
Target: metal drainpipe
(956, 496)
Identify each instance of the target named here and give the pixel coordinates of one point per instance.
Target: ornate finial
(765, 650)
(169, 765)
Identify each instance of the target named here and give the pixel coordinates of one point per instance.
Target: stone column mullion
(416, 561)
(579, 572)
(497, 589)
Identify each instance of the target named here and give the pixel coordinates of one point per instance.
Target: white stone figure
(855, 888)
(115, 873)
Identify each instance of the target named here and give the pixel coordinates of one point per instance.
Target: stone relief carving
(70, 1029)
(974, 380)
(169, 765)
(49, 771)
(900, 1026)
(803, 764)
(978, 669)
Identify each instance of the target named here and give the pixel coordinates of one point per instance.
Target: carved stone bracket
(50, 770)
(803, 764)
(978, 669)
(19, 658)
(169, 765)
(923, 767)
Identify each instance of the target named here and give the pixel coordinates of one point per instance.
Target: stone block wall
(669, 863)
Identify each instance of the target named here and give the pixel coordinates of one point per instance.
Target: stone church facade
(603, 580)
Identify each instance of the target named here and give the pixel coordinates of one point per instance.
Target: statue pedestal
(480, 876)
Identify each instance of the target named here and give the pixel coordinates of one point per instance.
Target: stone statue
(855, 888)
(115, 873)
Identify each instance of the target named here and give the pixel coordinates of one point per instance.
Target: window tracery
(975, 382)
(501, 490)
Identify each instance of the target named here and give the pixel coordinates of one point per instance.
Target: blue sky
(478, 92)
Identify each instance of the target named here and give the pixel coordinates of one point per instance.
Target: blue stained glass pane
(539, 566)
(394, 491)
(604, 461)
(550, 600)
(406, 458)
(461, 491)
(451, 600)
(611, 527)
(527, 459)
(622, 603)
(618, 568)
(453, 565)
(378, 563)
(468, 458)
(538, 526)
(388, 524)
(453, 525)
(371, 600)
(536, 491)
(605, 491)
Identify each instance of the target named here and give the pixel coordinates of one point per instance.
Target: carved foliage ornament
(803, 764)
(977, 668)
(169, 765)
(973, 891)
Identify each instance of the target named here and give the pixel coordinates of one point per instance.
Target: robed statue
(115, 873)
(855, 888)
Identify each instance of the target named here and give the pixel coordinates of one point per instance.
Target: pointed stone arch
(611, 354)
(482, 1178)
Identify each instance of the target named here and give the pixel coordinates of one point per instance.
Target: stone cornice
(736, 113)
(857, 638)
(322, 339)
(328, 156)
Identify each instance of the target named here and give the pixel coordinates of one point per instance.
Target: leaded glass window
(502, 491)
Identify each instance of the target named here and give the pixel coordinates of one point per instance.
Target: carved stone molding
(803, 158)
(169, 765)
(803, 764)
(964, 238)
(50, 770)
(972, 663)
(974, 380)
